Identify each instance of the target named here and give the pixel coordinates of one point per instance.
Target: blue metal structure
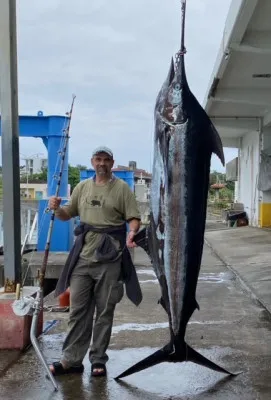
(50, 130)
(127, 176)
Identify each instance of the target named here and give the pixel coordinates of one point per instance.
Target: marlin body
(185, 139)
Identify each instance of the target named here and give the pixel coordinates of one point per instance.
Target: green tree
(74, 174)
(227, 192)
(35, 178)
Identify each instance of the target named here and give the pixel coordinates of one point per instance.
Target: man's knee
(116, 293)
(106, 301)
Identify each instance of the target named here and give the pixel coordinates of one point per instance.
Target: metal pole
(10, 144)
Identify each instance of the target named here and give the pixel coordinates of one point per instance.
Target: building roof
(218, 186)
(238, 98)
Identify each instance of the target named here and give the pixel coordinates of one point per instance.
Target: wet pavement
(246, 252)
(231, 328)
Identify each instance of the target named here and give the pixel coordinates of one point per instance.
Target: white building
(238, 101)
(35, 165)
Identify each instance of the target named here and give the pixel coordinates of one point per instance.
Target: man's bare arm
(60, 213)
(134, 225)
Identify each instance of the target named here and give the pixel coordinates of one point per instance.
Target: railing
(217, 209)
(29, 227)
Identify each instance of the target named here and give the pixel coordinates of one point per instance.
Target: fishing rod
(50, 230)
(33, 306)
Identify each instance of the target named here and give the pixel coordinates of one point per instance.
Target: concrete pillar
(10, 143)
(14, 330)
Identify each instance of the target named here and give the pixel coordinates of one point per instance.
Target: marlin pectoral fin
(166, 355)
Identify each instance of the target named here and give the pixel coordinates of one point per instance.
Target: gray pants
(91, 286)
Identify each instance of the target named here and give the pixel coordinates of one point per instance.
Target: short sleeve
(131, 210)
(72, 205)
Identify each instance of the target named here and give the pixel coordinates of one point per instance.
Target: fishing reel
(24, 306)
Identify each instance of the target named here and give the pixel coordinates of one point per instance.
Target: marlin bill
(184, 141)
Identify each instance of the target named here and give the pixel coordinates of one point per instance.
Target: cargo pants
(92, 288)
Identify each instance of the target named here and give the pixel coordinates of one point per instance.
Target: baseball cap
(102, 149)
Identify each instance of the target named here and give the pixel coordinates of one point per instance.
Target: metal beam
(258, 42)
(246, 10)
(41, 126)
(267, 120)
(246, 48)
(10, 144)
(259, 97)
(236, 123)
(229, 142)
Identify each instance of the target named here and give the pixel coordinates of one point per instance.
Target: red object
(15, 330)
(64, 298)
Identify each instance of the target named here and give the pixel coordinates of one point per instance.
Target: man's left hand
(130, 240)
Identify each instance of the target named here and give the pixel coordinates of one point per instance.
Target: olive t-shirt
(111, 204)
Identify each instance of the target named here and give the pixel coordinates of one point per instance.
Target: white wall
(249, 167)
(236, 191)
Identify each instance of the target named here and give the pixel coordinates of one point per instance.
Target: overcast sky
(114, 55)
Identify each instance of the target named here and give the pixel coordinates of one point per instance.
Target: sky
(114, 56)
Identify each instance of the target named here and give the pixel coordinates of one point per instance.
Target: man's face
(102, 163)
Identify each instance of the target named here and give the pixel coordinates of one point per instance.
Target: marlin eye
(177, 86)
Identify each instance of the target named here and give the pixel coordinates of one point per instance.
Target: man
(98, 263)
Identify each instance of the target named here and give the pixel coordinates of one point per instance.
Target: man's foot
(57, 368)
(98, 369)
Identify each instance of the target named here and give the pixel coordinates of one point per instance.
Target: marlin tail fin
(167, 354)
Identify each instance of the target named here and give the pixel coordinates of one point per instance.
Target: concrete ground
(232, 328)
(247, 252)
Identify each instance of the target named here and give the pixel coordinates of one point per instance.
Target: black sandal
(60, 370)
(98, 366)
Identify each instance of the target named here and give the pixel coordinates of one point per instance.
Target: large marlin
(185, 139)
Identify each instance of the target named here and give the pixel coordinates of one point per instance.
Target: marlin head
(173, 111)
(164, 89)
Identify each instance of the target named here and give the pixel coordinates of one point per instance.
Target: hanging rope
(182, 50)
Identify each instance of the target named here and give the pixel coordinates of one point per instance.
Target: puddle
(161, 325)
(217, 278)
(161, 382)
(145, 272)
(138, 327)
(48, 325)
(179, 379)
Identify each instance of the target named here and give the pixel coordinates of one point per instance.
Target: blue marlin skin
(185, 139)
